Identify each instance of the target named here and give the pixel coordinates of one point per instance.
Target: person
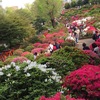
(96, 49)
(57, 45)
(50, 47)
(95, 35)
(85, 47)
(35, 55)
(77, 32)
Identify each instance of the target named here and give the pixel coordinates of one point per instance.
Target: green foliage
(30, 85)
(29, 48)
(67, 59)
(94, 1)
(9, 60)
(67, 6)
(80, 2)
(14, 29)
(2, 48)
(34, 39)
(30, 57)
(42, 60)
(68, 43)
(39, 24)
(1, 64)
(73, 3)
(48, 10)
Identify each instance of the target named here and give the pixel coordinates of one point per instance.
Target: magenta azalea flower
(38, 50)
(84, 82)
(19, 59)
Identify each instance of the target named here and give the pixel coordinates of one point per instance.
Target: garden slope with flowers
(67, 74)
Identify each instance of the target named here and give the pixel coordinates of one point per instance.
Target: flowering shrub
(30, 56)
(94, 58)
(38, 50)
(25, 53)
(84, 82)
(29, 48)
(68, 42)
(19, 59)
(27, 81)
(59, 96)
(9, 60)
(91, 53)
(55, 97)
(67, 59)
(18, 52)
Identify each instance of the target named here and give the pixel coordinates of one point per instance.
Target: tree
(73, 3)
(94, 1)
(79, 2)
(14, 29)
(48, 9)
(67, 6)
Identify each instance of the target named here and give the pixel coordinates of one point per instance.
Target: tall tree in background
(14, 29)
(48, 9)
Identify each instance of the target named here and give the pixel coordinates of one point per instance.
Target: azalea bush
(59, 96)
(18, 52)
(28, 81)
(84, 82)
(68, 42)
(20, 59)
(30, 56)
(1, 64)
(9, 59)
(94, 58)
(67, 59)
(29, 48)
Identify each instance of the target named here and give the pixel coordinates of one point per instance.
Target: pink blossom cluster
(68, 97)
(40, 45)
(54, 36)
(25, 53)
(98, 40)
(38, 50)
(57, 96)
(84, 81)
(91, 53)
(19, 59)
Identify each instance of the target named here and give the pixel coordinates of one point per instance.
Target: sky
(19, 3)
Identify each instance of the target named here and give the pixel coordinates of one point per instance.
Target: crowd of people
(75, 30)
(95, 46)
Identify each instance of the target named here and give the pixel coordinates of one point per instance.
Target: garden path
(87, 41)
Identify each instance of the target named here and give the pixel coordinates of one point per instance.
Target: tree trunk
(53, 22)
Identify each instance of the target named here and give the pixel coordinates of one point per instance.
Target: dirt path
(87, 41)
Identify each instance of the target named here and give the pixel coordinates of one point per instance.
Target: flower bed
(84, 82)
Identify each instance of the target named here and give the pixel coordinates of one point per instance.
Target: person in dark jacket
(85, 47)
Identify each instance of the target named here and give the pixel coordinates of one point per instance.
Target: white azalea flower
(1, 73)
(45, 80)
(28, 74)
(0, 69)
(28, 61)
(43, 69)
(13, 63)
(9, 75)
(17, 68)
(25, 69)
(8, 66)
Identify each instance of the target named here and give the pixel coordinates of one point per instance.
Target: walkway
(87, 41)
